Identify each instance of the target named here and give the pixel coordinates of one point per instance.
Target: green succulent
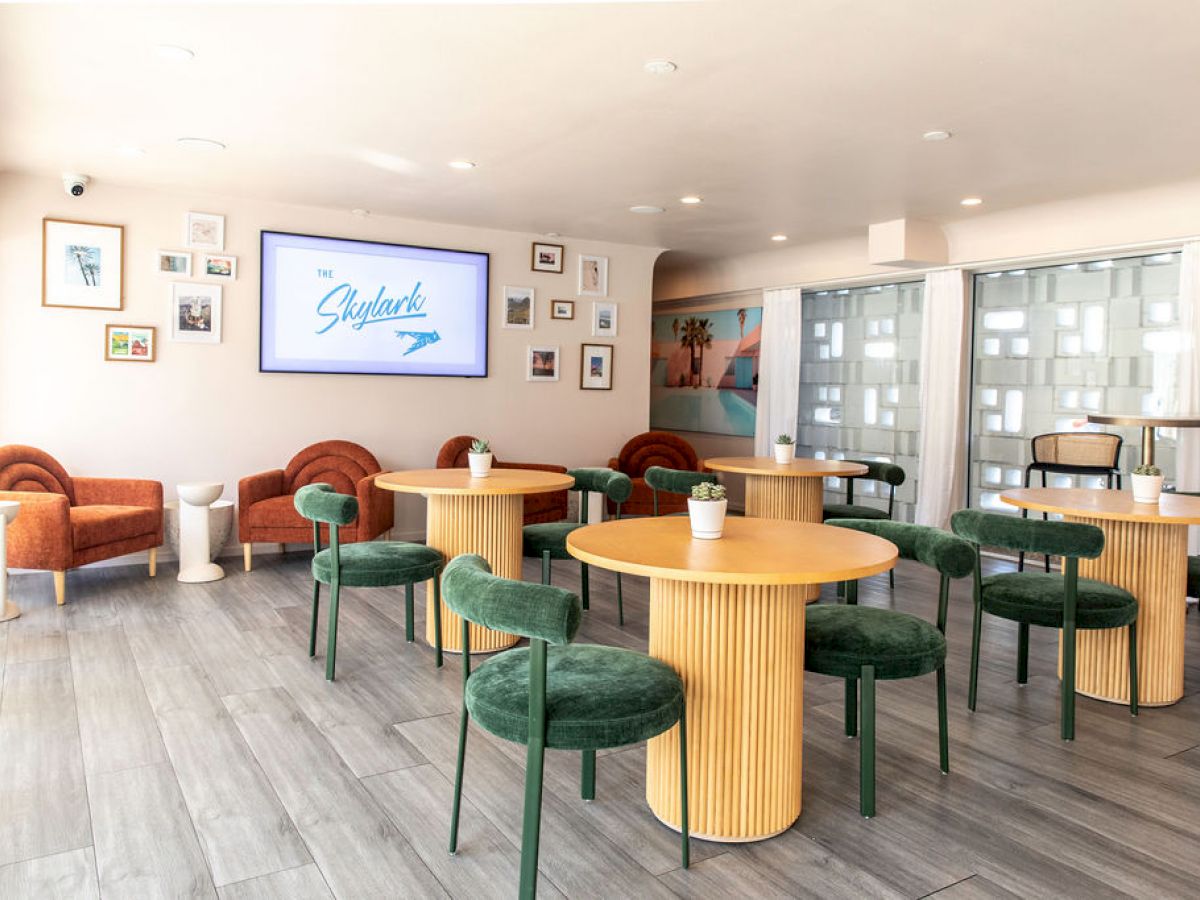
(1147, 470)
(784, 439)
(708, 491)
(480, 446)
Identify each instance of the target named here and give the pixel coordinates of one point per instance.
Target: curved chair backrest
(341, 464)
(320, 503)
(877, 470)
(1076, 449)
(675, 481)
(656, 448)
(24, 468)
(1071, 540)
(951, 556)
(616, 486)
(536, 611)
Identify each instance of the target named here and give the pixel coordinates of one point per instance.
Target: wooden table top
(1147, 421)
(459, 481)
(1095, 503)
(797, 468)
(752, 551)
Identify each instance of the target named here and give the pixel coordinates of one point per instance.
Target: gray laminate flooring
(168, 740)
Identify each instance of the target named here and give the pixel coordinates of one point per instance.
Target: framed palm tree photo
(83, 265)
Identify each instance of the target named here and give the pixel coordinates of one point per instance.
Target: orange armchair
(548, 507)
(69, 522)
(267, 510)
(653, 448)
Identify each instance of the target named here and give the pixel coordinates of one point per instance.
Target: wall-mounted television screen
(330, 305)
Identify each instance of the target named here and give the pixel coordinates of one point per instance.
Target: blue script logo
(342, 305)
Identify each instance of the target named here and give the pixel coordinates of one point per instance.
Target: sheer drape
(778, 368)
(1187, 463)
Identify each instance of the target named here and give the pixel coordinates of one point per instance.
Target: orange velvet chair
(69, 522)
(653, 448)
(548, 507)
(266, 502)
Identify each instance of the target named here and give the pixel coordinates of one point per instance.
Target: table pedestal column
(740, 651)
(795, 499)
(1149, 561)
(487, 524)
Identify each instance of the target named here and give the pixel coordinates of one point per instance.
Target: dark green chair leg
(1068, 681)
(408, 612)
(683, 784)
(1133, 670)
(331, 651)
(852, 593)
(841, 589)
(1023, 653)
(620, 602)
(545, 567)
(866, 746)
(587, 776)
(532, 823)
(851, 707)
(943, 727)
(458, 779)
(976, 628)
(312, 628)
(892, 578)
(583, 584)
(437, 616)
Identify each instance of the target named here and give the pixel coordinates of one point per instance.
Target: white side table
(8, 512)
(194, 501)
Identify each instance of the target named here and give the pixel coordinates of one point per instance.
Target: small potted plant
(479, 458)
(785, 449)
(1147, 484)
(706, 510)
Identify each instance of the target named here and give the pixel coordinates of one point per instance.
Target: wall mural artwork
(704, 371)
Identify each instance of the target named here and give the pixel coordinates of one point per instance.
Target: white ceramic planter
(707, 517)
(1146, 488)
(480, 463)
(785, 453)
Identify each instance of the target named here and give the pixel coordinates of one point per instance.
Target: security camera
(75, 185)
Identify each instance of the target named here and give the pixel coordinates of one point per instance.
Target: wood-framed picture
(175, 262)
(130, 343)
(219, 265)
(204, 231)
(518, 307)
(547, 257)
(83, 265)
(604, 319)
(562, 309)
(542, 364)
(195, 312)
(593, 276)
(596, 367)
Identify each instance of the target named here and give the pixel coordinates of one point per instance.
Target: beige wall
(205, 412)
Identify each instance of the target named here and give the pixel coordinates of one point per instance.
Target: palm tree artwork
(697, 335)
(88, 260)
(741, 314)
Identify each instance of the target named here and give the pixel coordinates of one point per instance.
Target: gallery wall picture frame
(604, 319)
(195, 312)
(130, 343)
(542, 363)
(220, 265)
(204, 231)
(562, 309)
(593, 276)
(596, 367)
(547, 257)
(518, 307)
(174, 262)
(83, 265)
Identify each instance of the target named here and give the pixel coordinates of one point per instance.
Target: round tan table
(1147, 424)
(474, 515)
(1145, 552)
(728, 615)
(792, 490)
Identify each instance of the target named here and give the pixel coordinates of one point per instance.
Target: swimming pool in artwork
(714, 410)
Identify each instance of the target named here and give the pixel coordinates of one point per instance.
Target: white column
(194, 500)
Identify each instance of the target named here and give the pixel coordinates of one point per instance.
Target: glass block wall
(1053, 344)
(859, 384)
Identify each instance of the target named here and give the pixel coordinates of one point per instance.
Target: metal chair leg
(976, 629)
(532, 822)
(1133, 670)
(1068, 681)
(620, 602)
(683, 786)
(943, 725)
(1023, 653)
(312, 628)
(437, 616)
(583, 585)
(458, 779)
(408, 612)
(851, 707)
(545, 567)
(587, 775)
(866, 745)
(331, 651)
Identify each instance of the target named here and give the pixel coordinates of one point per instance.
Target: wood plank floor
(168, 740)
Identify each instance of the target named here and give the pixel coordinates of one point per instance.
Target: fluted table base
(1149, 561)
(487, 524)
(740, 651)
(796, 499)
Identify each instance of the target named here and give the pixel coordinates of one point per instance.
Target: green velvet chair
(364, 564)
(547, 541)
(883, 472)
(865, 644)
(1193, 582)
(1049, 599)
(675, 481)
(563, 697)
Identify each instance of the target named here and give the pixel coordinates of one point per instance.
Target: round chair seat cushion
(1193, 588)
(840, 640)
(852, 511)
(596, 697)
(1038, 597)
(551, 536)
(379, 564)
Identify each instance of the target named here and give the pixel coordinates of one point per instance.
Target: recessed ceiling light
(971, 201)
(691, 200)
(936, 136)
(360, 212)
(551, 234)
(196, 143)
(779, 237)
(174, 52)
(131, 152)
(646, 210)
(660, 67)
(461, 164)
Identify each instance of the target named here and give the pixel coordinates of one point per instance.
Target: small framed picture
(204, 231)
(595, 367)
(593, 276)
(518, 307)
(219, 266)
(542, 364)
(547, 258)
(604, 319)
(83, 265)
(562, 309)
(196, 312)
(175, 262)
(129, 343)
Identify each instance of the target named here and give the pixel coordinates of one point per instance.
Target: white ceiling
(799, 117)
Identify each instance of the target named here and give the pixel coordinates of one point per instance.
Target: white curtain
(1187, 464)
(941, 445)
(778, 368)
